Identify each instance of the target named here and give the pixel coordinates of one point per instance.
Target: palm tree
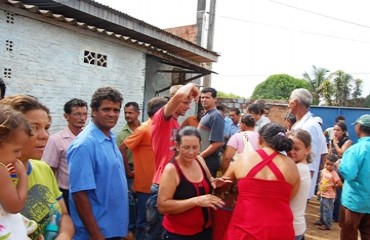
(342, 83)
(319, 75)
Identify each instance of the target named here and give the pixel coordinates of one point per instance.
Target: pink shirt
(236, 141)
(327, 182)
(55, 155)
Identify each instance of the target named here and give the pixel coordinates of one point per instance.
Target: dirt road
(313, 233)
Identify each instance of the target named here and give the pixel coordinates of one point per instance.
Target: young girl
(14, 132)
(301, 154)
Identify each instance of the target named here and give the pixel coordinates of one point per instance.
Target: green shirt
(121, 136)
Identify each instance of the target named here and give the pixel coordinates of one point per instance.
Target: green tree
(357, 90)
(367, 102)
(221, 94)
(319, 76)
(279, 87)
(342, 83)
(327, 92)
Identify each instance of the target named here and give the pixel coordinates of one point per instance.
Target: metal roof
(98, 17)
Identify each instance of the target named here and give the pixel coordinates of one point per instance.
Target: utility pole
(201, 11)
(205, 34)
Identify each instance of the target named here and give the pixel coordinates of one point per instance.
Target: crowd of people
(223, 174)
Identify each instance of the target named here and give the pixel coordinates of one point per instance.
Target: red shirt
(163, 141)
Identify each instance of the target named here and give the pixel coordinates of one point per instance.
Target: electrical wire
(321, 15)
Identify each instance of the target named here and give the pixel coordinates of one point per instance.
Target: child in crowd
(301, 154)
(14, 131)
(329, 181)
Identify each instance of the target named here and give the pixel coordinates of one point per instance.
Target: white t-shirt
(299, 202)
(12, 225)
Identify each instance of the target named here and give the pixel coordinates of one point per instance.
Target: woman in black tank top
(184, 195)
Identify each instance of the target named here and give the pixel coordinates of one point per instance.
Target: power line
(321, 15)
(291, 29)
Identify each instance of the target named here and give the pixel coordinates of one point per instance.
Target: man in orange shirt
(140, 144)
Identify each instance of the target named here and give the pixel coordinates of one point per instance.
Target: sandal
(317, 223)
(324, 228)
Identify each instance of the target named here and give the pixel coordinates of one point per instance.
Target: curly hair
(12, 121)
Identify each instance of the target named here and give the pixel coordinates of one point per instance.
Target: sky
(259, 38)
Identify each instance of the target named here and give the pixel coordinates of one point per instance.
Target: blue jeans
(206, 234)
(154, 229)
(326, 211)
(132, 206)
(141, 221)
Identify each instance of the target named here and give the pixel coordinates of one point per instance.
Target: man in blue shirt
(98, 186)
(234, 114)
(355, 169)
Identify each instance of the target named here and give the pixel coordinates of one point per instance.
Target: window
(9, 17)
(8, 73)
(9, 46)
(96, 59)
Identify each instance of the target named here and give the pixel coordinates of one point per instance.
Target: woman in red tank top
(267, 182)
(184, 195)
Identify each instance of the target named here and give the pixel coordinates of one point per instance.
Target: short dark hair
(289, 116)
(221, 108)
(340, 117)
(74, 102)
(248, 120)
(256, 108)
(105, 93)
(274, 135)
(155, 104)
(236, 110)
(135, 106)
(332, 157)
(187, 131)
(210, 90)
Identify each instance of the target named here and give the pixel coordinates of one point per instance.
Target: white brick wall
(47, 62)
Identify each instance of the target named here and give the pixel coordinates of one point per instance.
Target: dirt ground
(312, 215)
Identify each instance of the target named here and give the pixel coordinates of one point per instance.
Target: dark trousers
(65, 193)
(204, 235)
(351, 223)
(336, 209)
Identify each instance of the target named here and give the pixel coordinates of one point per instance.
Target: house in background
(58, 50)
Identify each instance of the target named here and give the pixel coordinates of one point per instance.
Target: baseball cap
(364, 120)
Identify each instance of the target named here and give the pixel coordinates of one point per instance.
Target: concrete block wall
(277, 111)
(47, 61)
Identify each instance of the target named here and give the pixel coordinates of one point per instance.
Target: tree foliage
(336, 89)
(278, 87)
(367, 101)
(227, 95)
(317, 81)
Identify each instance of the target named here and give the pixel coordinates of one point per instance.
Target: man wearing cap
(355, 169)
